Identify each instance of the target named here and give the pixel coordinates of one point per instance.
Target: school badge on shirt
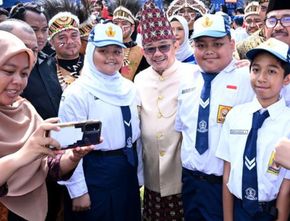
(273, 167)
(222, 113)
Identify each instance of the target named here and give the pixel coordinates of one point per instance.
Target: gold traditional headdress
(252, 8)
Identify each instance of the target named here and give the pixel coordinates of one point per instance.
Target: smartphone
(77, 134)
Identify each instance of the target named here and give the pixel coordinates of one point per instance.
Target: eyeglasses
(161, 48)
(272, 21)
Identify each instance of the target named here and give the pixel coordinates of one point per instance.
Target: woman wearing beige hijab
(25, 159)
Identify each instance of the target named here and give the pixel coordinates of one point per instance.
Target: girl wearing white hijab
(105, 185)
(180, 29)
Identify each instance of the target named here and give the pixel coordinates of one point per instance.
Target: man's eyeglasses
(161, 48)
(272, 21)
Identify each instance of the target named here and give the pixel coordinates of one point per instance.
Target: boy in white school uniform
(202, 107)
(255, 186)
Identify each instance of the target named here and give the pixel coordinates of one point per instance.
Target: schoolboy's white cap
(275, 47)
(106, 34)
(216, 26)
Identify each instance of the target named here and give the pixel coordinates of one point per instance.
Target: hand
(76, 154)
(282, 155)
(71, 158)
(81, 203)
(242, 63)
(37, 144)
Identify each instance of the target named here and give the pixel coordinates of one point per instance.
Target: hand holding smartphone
(77, 134)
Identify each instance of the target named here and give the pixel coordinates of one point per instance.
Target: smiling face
(162, 58)
(14, 74)
(279, 31)
(267, 78)
(67, 44)
(108, 59)
(253, 23)
(213, 54)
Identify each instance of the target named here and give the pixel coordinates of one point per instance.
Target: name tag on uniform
(273, 167)
(222, 113)
(187, 90)
(239, 132)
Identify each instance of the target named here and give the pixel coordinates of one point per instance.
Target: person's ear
(286, 80)
(176, 45)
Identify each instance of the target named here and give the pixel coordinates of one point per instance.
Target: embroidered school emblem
(129, 142)
(110, 32)
(251, 194)
(222, 113)
(273, 167)
(202, 127)
(207, 22)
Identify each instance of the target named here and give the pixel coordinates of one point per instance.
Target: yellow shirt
(161, 142)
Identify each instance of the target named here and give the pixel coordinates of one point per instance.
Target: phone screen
(78, 134)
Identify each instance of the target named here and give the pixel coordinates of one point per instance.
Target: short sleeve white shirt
(233, 140)
(229, 88)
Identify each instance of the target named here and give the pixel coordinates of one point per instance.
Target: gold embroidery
(207, 22)
(110, 32)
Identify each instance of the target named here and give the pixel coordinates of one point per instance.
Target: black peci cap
(278, 5)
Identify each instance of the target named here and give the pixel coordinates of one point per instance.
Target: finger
(44, 127)
(58, 151)
(48, 141)
(81, 151)
(80, 208)
(44, 152)
(75, 209)
(52, 120)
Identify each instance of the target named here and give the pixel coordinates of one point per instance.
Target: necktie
(201, 143)
(128, 149)
(249, 178)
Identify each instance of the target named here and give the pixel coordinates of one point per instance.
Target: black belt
(202, 176)
(101, 153)
(118, 152)
(265, 207)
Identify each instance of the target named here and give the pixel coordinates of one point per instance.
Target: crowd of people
(195, 111)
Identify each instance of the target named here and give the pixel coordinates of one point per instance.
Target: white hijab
(184, 50)
(113, 89)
